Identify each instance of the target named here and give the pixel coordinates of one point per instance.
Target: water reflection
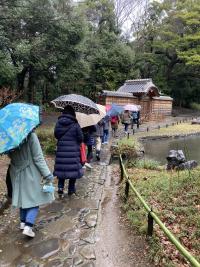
(158, 149)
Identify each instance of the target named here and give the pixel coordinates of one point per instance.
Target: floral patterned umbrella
(78, 102)
(17, 120)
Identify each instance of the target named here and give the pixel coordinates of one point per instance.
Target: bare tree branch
(8, 95)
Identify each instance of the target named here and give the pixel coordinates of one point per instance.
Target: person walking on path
(135, 118)
(68, 162)
(126, 120)
(89, 140)
(114, 121)
(27, 167)
(106, 127)
(99, 136)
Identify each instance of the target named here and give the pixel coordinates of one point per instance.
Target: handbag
(83, 153)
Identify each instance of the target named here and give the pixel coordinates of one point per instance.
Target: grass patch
(180, 129)
(174, 196)
(47, 139)
(148, 164)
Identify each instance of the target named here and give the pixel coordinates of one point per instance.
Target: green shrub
(195, 106)
(47, 139)
(129, 148)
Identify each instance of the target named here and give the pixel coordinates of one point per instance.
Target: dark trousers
(71, 185)
(8, 184)
(89, 153)
(126, 127)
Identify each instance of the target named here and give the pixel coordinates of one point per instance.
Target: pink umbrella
(108, 107)
(132, 107)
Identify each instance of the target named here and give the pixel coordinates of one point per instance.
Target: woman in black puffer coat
(67, 163)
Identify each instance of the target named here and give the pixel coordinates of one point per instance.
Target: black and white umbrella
(78, 102)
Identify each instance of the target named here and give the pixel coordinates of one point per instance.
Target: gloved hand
(49, 178)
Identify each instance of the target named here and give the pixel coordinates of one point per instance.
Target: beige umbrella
(91, 119)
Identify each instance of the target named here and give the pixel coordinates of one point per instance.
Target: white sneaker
(88, 166)
(28, 231)
(22, 225)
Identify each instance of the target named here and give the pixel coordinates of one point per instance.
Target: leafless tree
(127, 9)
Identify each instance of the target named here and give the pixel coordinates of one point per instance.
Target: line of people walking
(28, 166)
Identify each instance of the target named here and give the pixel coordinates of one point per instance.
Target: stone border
(158, 137)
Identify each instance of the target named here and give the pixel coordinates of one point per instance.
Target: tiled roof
(137, 86)
(163, 97)
(117, 93)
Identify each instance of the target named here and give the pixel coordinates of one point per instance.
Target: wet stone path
(65, 230)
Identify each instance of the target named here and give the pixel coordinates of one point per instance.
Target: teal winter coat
(27, 168)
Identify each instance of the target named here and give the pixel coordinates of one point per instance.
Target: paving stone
(72, 250)
(34, 263)
(68, 263)
(91, 219)
(54, 263)
(68, 235)
(88, 236)
(89, 264)
(77, 260)
(64, 245)
(45, 249)
(82, 243)
(56, 229)
(6, 256)
(88, 253)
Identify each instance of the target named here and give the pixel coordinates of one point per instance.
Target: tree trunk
(31, 93)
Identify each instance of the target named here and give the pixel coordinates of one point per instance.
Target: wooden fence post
(150, 225)
(121, 170)
(126, 191)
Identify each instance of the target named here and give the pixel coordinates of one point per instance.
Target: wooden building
(143, 92)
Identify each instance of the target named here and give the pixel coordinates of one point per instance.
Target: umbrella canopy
(16, 122)
(92, 119)
(108, 107)
(132, 107)
(78, 102)
(115, 110)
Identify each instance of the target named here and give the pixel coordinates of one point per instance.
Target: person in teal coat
(27, 168)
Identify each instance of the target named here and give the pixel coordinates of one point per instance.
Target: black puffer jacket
(69, 136)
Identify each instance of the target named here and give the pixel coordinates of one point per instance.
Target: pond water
(159, 149)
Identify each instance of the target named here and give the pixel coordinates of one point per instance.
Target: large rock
(174, 158)
(187, 165)
(195, 121)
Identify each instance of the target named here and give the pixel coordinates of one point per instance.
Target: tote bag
(83, 153)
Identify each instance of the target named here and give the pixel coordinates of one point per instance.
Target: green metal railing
(153, 217)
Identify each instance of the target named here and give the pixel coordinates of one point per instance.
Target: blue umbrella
(115, 110)
(16, 122)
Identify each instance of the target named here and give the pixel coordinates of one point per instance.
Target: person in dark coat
(68, 162)
(89, 140)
